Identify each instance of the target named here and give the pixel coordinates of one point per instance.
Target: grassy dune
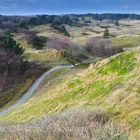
(20, 38)
(50, 57)
(111, 84)
(47, 31)
(127, 41)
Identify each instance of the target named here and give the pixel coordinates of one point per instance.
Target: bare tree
(63, 44)
(101, 47)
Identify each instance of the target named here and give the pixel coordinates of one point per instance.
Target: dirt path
(32, 90)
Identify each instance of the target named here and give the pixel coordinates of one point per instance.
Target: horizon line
(60, 14)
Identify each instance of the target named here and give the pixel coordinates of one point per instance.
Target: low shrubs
(70, 125)
(101, 47)
(64, 45)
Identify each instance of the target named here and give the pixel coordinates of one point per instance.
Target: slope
(111, 84)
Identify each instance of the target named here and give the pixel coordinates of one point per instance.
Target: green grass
(121, 64)
(23, 41)
(130, 41)
(111, 84)
(79, 88)
(50, 57)
(47, 31)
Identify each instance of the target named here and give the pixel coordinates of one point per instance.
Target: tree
(63, 30)
(23, 25)
(117, 23)
(106, 33)
(7, 41)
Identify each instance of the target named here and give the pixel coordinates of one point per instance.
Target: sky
(33, 7)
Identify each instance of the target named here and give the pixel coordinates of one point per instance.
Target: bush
(23, 25)
(61, 28)
(101, 47)
(71, 125)
(117, 23)
(36, 41)
(106, 33)
(7, 41)
(64, 45)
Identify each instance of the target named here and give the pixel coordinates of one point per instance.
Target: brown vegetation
(101, 47)
(11, 66)
(64, 45)
(71, 125)
(14, 70)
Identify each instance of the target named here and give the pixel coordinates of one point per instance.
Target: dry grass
(71, 125)
(79, 88)
(112, 84)
(46, 31)
(48, 56)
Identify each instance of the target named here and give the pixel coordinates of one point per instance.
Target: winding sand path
(30, 92)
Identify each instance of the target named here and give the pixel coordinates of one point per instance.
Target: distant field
(46, 30)
(79, 35)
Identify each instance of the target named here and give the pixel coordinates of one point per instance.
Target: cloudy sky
(31, 7)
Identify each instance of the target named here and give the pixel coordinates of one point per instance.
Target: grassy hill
(49, 57)
(111, 84)
(104, 96)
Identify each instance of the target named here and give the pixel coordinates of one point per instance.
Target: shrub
(71, 125)
(117, 23)
(23, 25)
(102, 48)
(61, 28)
(7, 41)
(64, 45)
(106, 33)
(36, 41)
